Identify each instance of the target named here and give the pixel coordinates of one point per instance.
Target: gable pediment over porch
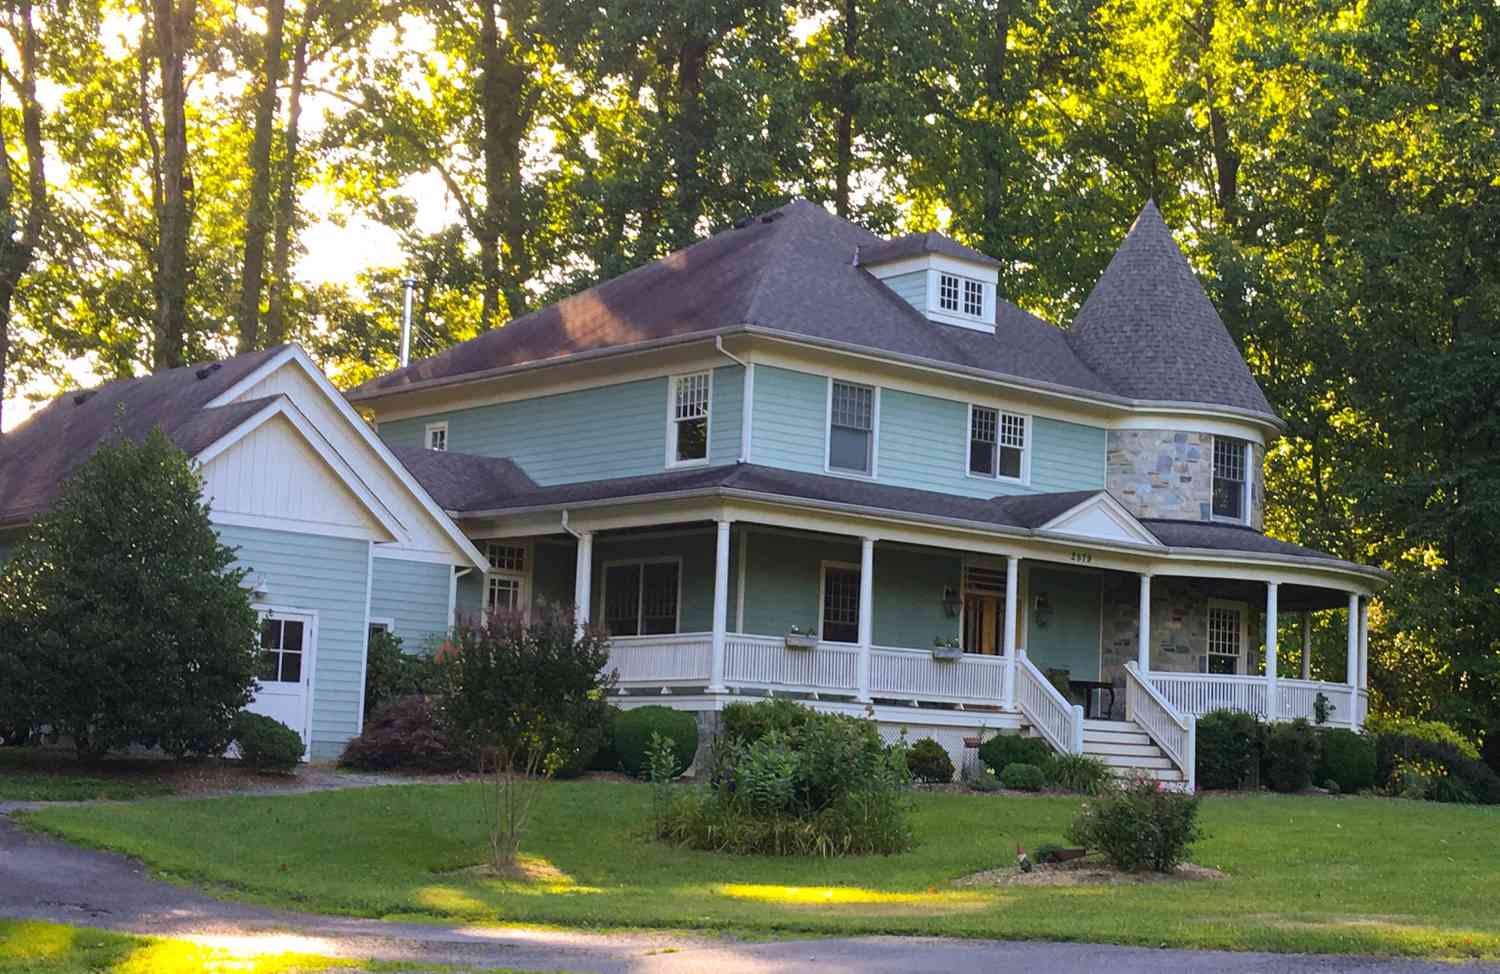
(1100, 518)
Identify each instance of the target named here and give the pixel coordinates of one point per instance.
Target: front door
(983, 618)
(285, 674)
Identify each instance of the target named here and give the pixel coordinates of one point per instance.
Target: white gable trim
(284, 407)
(1100, 518)
(293, 353)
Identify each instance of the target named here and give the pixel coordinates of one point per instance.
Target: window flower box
(800, 639)
(947, 650)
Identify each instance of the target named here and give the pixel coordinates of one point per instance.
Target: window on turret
(1231, 483)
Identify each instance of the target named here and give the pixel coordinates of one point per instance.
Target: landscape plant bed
(1091, 870)
(1408, 873)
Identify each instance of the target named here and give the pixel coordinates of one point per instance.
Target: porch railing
(764, 661)
(912, 674)
(1200, 693)
(1175, 733)
(1059, 721)
(684, 659)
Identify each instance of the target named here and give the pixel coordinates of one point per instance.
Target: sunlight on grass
(447, 899)
(35, 941)
(186, 957)
(848, 896)
(530, 876)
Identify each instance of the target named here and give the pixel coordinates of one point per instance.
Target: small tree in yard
(518, 694)
(122, 618)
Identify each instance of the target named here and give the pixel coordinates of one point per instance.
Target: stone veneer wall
(1170, 474)
(1179, 625)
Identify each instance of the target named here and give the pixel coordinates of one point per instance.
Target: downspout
(747, 396)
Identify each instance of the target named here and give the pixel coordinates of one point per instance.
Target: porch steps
(1126, 749)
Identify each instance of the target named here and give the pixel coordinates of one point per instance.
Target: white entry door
(284, 681)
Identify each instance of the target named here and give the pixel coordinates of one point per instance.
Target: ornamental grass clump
(819, 784)
(1137, 824)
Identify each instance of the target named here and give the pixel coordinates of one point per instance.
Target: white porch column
(584, 583)
(1364, 643)
(721, 609)
(1351, 659)
(1008, 638)
(866, 616)
(1272, 711)
(1306, 645)
(1143, 643)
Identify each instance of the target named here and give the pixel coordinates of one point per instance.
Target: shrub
(747, 723)
(123, 620)
(1347, 761)
(1137, 825)
(406, 732)
(928, 761)
(827, 785)
(266, 745)
(1044, 852)
(589, 741)
(985, 781)
(391, 673)
(1291, 755)
(1023, 777)
(607, 758)
(1491, 754)
(633, 730)
(1229, 745)
(1081, 773)
(1415, 767)
(1006, 749)
(1433, 731)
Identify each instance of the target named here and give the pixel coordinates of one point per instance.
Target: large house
(797, 459)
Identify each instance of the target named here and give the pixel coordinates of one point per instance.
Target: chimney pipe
(410, 283)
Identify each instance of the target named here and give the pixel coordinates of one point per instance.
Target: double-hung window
(1231, 483)
(505, 583)
(997, 443)
(687, 433)
(437, 436)
(641, 597)
(840, 616)
(851, 428)
(1226, 634)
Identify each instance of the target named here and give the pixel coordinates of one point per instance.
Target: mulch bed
(1088, 871)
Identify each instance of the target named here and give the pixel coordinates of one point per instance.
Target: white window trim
(523, 578)
(828, 467)
(1243, 608)
(985, 321)
(823, 567)
(640, 594)
(708, 421)
(1245, 488)
(435, 428)
(383, 622)
(1025, 478)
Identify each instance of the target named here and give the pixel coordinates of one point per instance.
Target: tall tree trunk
(174, 32)
(690, 138)
(286, 192)
(493, 96)
(18, 237)
(996, 146)
(258, 216)
(844, 159)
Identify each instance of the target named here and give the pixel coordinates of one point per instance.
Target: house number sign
(1082, 558)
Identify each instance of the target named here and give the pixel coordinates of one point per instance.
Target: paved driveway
(46, 879)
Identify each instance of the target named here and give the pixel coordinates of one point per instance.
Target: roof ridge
(780, 244)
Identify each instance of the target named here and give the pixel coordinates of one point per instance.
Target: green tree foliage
(122, 618)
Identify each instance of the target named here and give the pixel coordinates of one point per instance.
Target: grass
(28, 947)
(45, 775)
(1358, 875)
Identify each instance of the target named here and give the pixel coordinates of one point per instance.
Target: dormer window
(973, 298)
(960, 295)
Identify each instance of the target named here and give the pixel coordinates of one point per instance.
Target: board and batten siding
(326, 575)
(414, 596)
(923, 440)
(591, 434)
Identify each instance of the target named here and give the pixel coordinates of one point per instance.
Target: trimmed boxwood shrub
(1023, 777)
(266, 745)
(1347, 759)
(633, 730)
(406, 733)
(1229, 746)
(928, 761)
(1006, 749)
(1291, 755)
(1434, 770)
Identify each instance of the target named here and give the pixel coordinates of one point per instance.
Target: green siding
(328, 576)
(1070, 637)
(696, 608)
(415, 595)
(789, 413)
(909, 586)
(592, 434)
(911, 288)
(1066, 456)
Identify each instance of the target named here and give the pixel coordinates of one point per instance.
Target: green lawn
(1307, 874)
(49, 775)
(27, 947)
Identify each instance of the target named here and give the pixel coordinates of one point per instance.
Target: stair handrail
(1064, 729)
(1175, 733)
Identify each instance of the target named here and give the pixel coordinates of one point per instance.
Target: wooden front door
(984, 616)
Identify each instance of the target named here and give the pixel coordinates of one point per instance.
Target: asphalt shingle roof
(39, 455)
(918, 244)
(1150, 330)
(463, 481)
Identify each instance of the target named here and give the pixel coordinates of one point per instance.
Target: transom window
(506, 557)
(280, 651)
(840, 604)
(437, 436)
(688, 432)
(641, 597)
(1225, 639)
(851, 428)
(1229, 478)
(505, 582)
(997, 443)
